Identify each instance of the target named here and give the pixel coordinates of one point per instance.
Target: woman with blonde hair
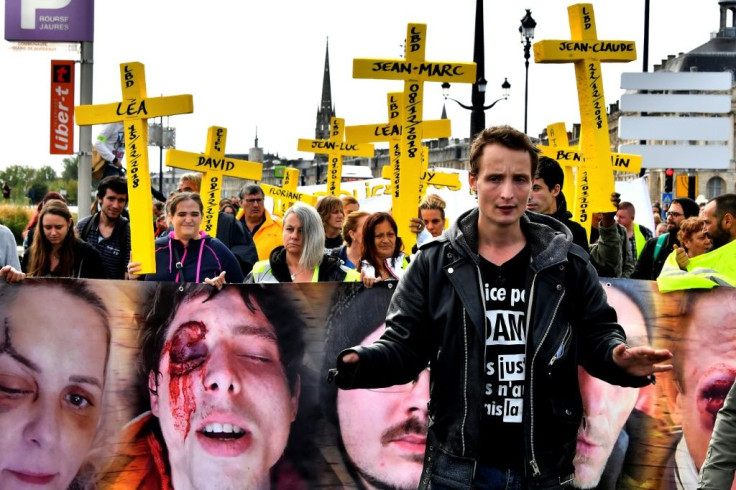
(56, 251)
(302, 257)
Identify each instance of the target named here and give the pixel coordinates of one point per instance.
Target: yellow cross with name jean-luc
(335, 148)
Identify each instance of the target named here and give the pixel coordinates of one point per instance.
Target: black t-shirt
(333, 242)
(504, 376)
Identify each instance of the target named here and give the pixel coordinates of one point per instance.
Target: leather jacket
(437, 316)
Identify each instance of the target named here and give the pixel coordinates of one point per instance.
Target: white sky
(259, 64)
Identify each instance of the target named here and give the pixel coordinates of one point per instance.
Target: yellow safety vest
(716, 268)
(639, 239)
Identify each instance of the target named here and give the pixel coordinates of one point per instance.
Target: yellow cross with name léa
(134, 111)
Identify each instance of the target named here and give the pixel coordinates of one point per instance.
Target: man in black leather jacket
(452, 310)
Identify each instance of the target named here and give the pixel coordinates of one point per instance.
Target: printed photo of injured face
(223, 380)
(381, 433)
(54, 349)
(704, 350)
(602, 443)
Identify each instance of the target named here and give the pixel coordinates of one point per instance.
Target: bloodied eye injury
(187, 349)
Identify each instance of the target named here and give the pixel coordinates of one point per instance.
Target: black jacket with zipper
(437, 316)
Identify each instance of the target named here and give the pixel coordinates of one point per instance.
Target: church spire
(326, 109)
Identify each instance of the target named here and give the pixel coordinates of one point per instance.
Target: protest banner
(271, 387)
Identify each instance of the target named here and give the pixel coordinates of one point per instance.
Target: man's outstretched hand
(641, 361)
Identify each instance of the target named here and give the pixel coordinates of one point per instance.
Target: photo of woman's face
(52, 366)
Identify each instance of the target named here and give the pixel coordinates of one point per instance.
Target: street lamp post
(164, 137)
(478, 90)
(478, 110)
(526, 29)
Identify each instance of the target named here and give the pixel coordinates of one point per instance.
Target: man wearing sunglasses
(655, 252)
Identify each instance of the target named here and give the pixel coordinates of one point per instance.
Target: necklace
(293, 276)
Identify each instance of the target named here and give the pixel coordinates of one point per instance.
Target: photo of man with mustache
(381, 433)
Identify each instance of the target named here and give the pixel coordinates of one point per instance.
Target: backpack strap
(87, 227)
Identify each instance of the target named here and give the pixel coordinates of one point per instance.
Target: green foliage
(71, 168)
(45, 174)
(17, 176)
(16, 218)
(25, 181)
(71, 187)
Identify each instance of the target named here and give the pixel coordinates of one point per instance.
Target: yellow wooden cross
(335, 148)
(414, 70)
(391, 133)
(133, 112)
(429, 178)
(586, 51)
(570, 157)
(214, 165)
(289, 183)
(288, 195)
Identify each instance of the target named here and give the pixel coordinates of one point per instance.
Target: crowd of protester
(351, 240)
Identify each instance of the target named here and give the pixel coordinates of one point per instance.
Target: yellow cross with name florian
(214, 165)
(133, 112)
(286, 195)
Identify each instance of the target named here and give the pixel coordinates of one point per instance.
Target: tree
(71, 168)
(17, 176)
(37, 191)
(45, 174)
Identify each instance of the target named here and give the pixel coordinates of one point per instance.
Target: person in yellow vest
(265, 231)
(694, 241)
(638, 234)
(716, 267)
(302, 258)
